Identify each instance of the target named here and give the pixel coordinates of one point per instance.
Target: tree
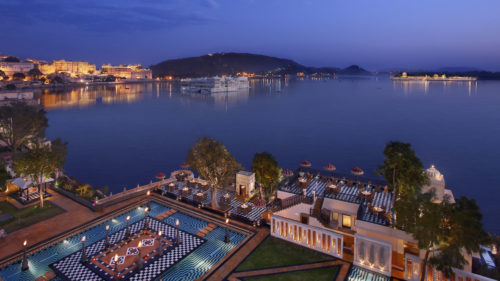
(21, 124)
(18, 76)
(443, 230)
(4, 176)
(40, 162)
(35, 73)
(84, 189)
(11, 59)
(267, 171)
(211, 160)
(2, 74)
(402, 169)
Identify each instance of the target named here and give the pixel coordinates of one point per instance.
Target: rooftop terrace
(374, 200)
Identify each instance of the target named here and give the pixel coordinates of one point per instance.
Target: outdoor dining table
(377, 209)
(226, 198)
(245, 209)
(185, 191)
(366, 192)
(199, 196)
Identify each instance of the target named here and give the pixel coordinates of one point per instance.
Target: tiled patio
(254, 215)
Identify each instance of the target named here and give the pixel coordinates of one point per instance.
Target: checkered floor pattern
(254, 215)
(70, 268)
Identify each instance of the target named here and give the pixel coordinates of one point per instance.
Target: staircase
(316, 210)
(322, 215)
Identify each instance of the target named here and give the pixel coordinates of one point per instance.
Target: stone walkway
(342, 274)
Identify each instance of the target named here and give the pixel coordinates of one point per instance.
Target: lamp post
(146, 219)
(117, 275)
(106, 244)
(127, 232)
(84, 255)
(140, 263)
(177, 222)
(24, 264)
(226, 237)
(160, 252)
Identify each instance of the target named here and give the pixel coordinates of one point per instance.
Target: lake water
(124, 135)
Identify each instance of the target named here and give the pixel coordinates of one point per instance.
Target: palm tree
(84, 189)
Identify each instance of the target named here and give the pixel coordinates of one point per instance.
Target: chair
(369, 198)
(350, 183)
(378, 188)
(335, 180)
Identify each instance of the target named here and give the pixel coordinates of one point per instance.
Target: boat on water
(209, 85)
(438, 78)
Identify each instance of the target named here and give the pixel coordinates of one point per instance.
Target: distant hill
(353, 70)
(232, 63)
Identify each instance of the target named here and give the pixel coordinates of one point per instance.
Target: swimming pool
(190, 267)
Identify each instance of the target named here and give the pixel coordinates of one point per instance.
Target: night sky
(376, 34)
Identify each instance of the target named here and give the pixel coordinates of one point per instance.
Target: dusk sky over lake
(374, 34)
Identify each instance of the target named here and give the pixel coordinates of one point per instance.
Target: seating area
(374, 198)
(199, 194)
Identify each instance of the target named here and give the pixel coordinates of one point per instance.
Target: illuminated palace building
(73, 68)
(127, 71)
(9, 68)
(351, 218)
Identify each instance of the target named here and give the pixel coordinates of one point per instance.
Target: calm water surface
(122, 136)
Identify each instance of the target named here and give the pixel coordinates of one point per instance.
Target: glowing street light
(106, 244)
(226, 237)
(127, 232)
(84, 255)
(116, 266)
(24, 265)
(140, 263)
(177, 222)
(160, 252)
(146, 218)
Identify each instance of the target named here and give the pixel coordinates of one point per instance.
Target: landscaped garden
(84, 191)
(320, 274)
(26, 216)
(275, 252)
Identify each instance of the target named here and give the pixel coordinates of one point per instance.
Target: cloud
(111, 15)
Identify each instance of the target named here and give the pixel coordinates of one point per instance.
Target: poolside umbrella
(160, 176)
(305, 163)
(287, 173)
(357, 172)
(330, 167)
(184, 165)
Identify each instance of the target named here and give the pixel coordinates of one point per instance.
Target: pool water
(190, 268)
